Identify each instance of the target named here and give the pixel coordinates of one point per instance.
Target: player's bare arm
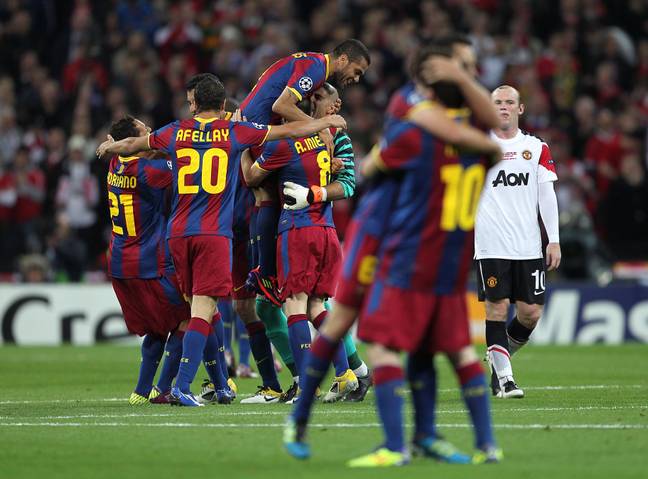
(477, 97)
(435, 121)
(286, 107)
(253, 174)
(301, 129)
(127, 146)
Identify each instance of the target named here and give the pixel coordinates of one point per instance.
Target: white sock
(501, 362)
(361, 371)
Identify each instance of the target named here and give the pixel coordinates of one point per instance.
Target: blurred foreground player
(205, 152)
(508, 244)
(396, 232)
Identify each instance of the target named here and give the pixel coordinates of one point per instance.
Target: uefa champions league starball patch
(306, 83)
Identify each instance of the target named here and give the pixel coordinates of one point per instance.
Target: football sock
(276, 325)
(193, 345)
(475, 394)
(172, 354)
(388, 381)
(262, 353)
(300, 338)
(355, 363)
(152, 350)
(254, 236)
(518, 335)
(421, 375)
(340, 359)
(266, 226)
(243, 342)
(219, 330)
(227, 317)
(316, 365)
(498, 353)
(211, 360)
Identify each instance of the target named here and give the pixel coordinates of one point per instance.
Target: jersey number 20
(461, 195)
(207, 163)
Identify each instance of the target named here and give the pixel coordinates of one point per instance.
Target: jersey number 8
(207, 163)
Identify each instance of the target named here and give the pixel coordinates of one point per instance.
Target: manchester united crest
(491, 282)
(526, 154)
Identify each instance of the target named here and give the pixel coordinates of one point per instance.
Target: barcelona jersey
(301, 73)
(427, 243)
(305, 162)
(206, 155)
(136, 200)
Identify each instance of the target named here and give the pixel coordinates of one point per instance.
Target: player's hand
(295, 196)
(337, 165)
(336, 121)
(237, 116)
(442, 69)
(103, 148)
(553, 256)
(327, 138)
(335, 107)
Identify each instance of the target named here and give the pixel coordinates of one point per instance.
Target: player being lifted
(273, 99)
(205, 152)
(508, 245)
(412, 126)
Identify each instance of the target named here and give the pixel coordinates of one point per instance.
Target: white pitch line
(338, 425)
(321, 412)
(531, 388)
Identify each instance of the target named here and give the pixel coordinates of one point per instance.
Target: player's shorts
(151, 306)
(240, 268)
(408, 320)
(203, 264)
(358, 266)
(308, 261)
(517, 280)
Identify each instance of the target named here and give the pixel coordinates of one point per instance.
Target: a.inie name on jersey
(512, 179)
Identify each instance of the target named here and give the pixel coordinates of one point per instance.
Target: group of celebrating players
(251, 195)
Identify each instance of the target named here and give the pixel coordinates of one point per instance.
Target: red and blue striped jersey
(302, 73)
(305, 162)
(428, 241)
(136, 200)
(206, 155)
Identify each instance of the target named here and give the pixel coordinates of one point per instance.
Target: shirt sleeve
(249, 134)
(397, 149)
(161, 139)
(307, 76)
(275, 155)
(546, 166)
(548, 206)
(343, 149)
(158, 173)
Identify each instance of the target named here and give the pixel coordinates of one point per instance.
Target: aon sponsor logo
(512, 179)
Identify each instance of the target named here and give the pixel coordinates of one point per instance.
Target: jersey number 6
(207, 163)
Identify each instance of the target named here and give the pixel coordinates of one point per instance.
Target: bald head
(507, 103)
(323, 100)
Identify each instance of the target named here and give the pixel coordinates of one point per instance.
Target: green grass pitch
(64, 413)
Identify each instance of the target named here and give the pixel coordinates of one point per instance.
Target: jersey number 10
(207, 163)
(461, 195)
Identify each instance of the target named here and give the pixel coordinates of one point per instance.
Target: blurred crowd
(69, 68)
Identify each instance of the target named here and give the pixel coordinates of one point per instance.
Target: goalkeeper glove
(298, 197)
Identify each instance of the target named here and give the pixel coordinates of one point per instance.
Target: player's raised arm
(286, 106)
(477, 97)
(434, 120)
(253, 174)
(300, 129)
(127, 146)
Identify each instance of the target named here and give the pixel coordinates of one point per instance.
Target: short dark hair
(354, 49)
(330, 89)
(209, 95)
(123, 128)
(194, 80)
(452, 39)
(231, 105)
(447, 92)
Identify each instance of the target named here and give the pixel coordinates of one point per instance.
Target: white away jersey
(507, 224)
